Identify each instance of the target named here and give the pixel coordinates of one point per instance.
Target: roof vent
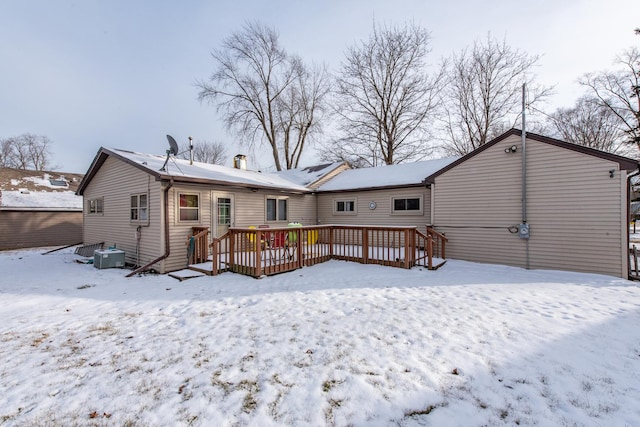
(240, 162)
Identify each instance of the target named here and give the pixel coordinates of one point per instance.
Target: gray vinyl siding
(115, 182)
(30, 229)
(575, 210)
(382, 214)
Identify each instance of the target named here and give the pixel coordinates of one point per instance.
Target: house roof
(39, 190)
(388, 176)
(624, 162)
(182, 171)
(309, 175)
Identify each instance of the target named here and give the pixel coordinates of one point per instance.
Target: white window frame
(345, 201)
(98, 202)
(277, 199)
(139, 209)
(179, 208)
(416, 212)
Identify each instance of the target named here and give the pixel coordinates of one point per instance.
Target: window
(224, 211)
(407, 205)
(139, 207)
(344, 207)
(189, 207)
(276, 209)
(96, 206)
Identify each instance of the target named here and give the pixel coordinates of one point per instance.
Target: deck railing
(198, 245)
(436, 245)
(266, 251)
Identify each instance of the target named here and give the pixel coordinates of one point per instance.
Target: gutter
(167, 246)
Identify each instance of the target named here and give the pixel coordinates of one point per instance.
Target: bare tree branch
(386, 99)
(483, 95)
(619, 91)
(213, 152)
(254, 81)
(26, 151)
(589, 123)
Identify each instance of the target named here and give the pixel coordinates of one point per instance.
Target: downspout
(524, 175)
(167, 246)
(629, 176)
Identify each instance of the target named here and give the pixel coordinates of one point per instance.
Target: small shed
(39, 208)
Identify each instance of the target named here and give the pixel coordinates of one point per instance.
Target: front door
(223, 213)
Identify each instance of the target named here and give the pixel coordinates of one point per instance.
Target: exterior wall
(382, 214)
(29, 229)
(575, 210)
(115, 182)
(249, 209)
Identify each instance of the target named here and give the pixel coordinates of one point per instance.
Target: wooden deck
(259, 252)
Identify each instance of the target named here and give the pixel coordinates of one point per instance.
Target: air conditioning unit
(109, 258)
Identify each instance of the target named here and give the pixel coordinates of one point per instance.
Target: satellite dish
(173, 145)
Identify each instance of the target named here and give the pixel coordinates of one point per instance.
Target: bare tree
(6, 153)
(26, 151)
(619, 91)
(254, 80)
(588, 123)
(301, 108)
(213, 152)
(484, 93)
(386, 98)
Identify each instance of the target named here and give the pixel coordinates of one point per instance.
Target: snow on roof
(386, 176)
(309, 174)
(64, 200)
(182, 168)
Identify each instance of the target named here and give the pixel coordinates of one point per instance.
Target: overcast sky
(121, 73)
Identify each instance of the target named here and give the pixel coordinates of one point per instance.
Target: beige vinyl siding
(573, 208)
(115, 182)
(382, 214)
(180, 231)
(249, 209)
(476, 201)
(30, 229)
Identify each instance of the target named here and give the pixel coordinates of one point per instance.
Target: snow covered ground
(334, 344)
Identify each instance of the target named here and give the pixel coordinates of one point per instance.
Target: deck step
(204, 267)
(186, 274)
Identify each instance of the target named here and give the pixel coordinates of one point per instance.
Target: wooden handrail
(431, 230)
(200, 252)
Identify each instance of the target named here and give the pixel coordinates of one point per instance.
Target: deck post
(331, 241)
(429, 251)
(365, 245)
(258, 244)
(299, 248)
(232, 247)
(214, 254)
(444, 242)
(408, 243)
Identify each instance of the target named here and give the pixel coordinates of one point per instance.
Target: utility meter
(523, 231)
